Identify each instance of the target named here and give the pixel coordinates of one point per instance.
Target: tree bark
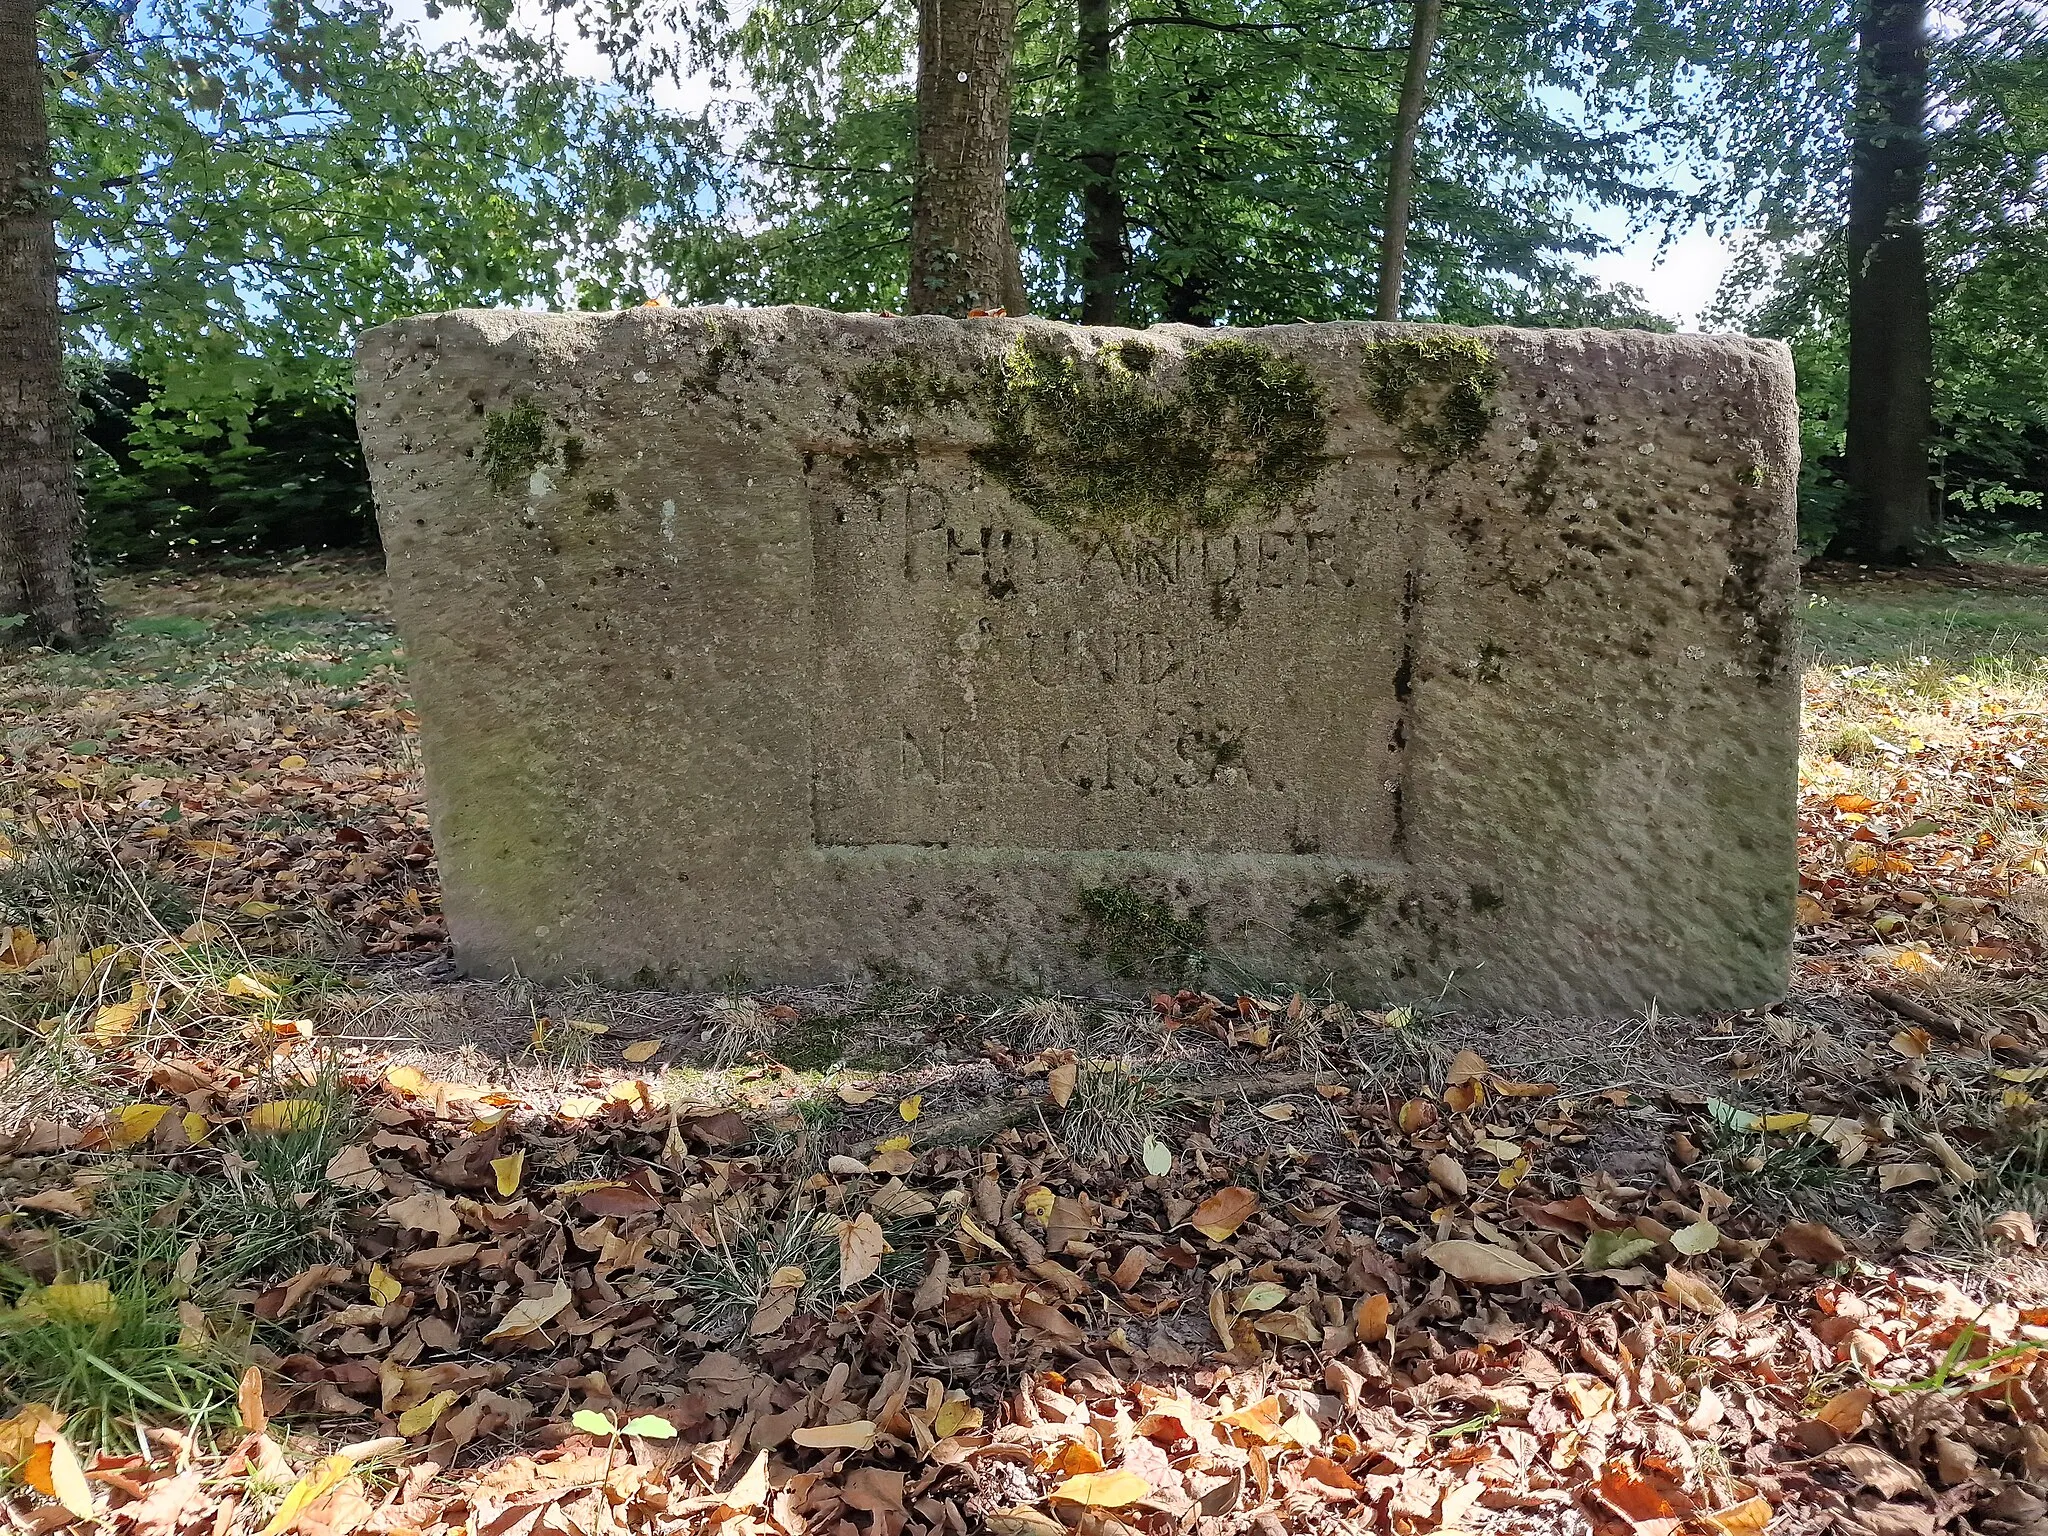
(1401, 156)
(46, 590)
(1103, 259)
(963, 253)
(1887, 516)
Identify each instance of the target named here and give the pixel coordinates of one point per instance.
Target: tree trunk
(963, 253)
(1888, 513)
(1103, 270)
(1401, 157)
(46, 591)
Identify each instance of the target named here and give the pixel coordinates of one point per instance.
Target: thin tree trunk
(46, 591)
(1103, 262)
(963, 253)
(1888, 514)
(1401, 158)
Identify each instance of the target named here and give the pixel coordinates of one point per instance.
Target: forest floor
(304, 1233)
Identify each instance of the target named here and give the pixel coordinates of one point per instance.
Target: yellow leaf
(1370, 1318)
(893, 1144)
(641, 1050)
(242, 984)
(956, 1415)
(1262, 1296)
(421, 1417)
(508, 1169)
(858, 1435)
(259, 909)
(53, 1469)
(910, 1108)
(249, 1399)
(531, 1313)
(1224, 1212)
(1913, 1044)
(132, 1123)
(1060, 1081)
(1104, 1490)
(20, 1434)
(291, 764)
(410, 1081)
(1038, 1204)
(88, 1302)
(861, 1246)
(286, 1115)
(1745, 1519)
(1789, 1121)
(197, 1127)
(751, 1491)
(1691, 1292)
(1478, 1263)
(972, 1231)
(319, 1481)
(115, 1020)
(384, 1286)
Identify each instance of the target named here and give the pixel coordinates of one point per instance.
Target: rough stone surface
(794, 645)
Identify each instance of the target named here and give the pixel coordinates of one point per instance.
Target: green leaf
(1613, 1250)
(592, 1423)
(651, 1426)
(1732, 1116)
(1158, 1156)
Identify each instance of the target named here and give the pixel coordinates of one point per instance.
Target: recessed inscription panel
(986, 681)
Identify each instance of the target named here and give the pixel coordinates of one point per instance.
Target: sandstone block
(1008, 653)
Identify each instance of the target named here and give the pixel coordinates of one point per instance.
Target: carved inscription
(1226, 692)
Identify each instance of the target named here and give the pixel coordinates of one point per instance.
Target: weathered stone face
(1002, 652)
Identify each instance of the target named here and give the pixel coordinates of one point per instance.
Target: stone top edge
(494, 326)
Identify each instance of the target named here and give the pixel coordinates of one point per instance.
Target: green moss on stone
(727, 346)
(1096, 446)
(904, 386)
(1335, 913)
(515, 443)
(1435, 390)
(1139, 937)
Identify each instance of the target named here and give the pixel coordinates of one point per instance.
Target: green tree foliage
(1779, 121)
(243, 188)
(291, 478)
(1250, 139)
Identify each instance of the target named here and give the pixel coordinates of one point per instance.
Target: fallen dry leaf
(1103, 1490)
(1478, 1263)
(1217, 1217)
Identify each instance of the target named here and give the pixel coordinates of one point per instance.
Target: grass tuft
(1115, 1107)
